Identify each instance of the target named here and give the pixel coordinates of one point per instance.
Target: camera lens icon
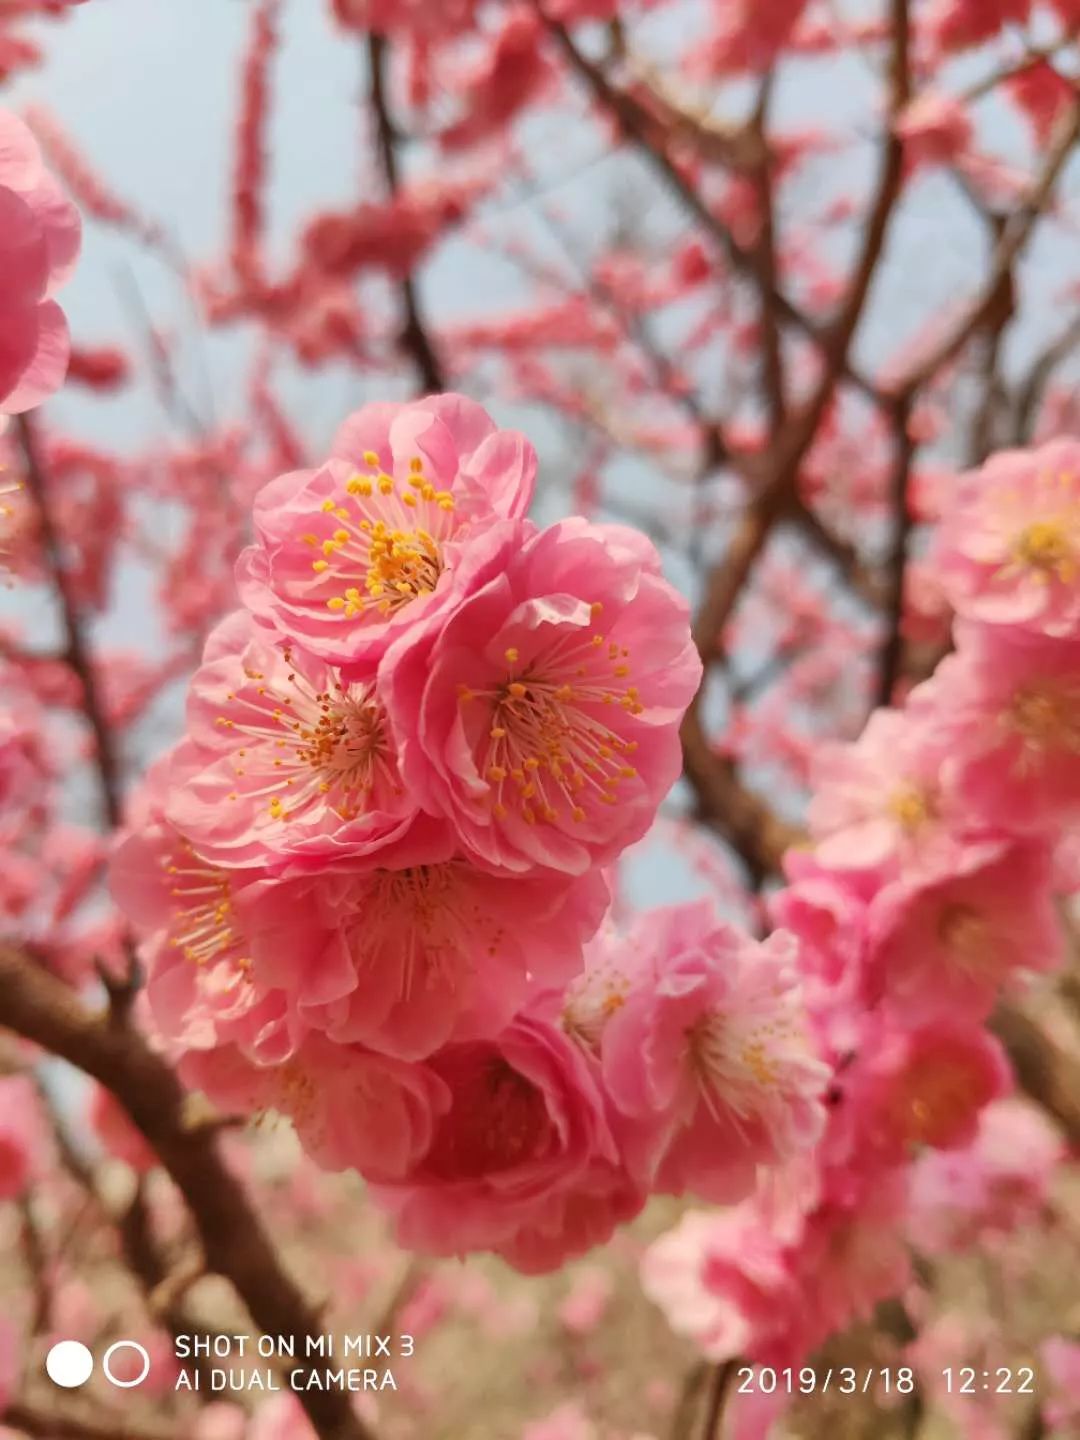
(70, 1364)
(114, 1349)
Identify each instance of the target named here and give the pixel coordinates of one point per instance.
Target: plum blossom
(1008, 550)
(406, 960)
(352, 1109)
(523, 1162)
(287, 760)
(936, 130)
(723, 1278)
(1061, 1360)
(994, 1184)
(880, 801)
(199, 986)
(707, 1052)
(542, 718)
(41, 233)
(20, 1135)
(746, 1282)
(927, 1086)
(944, 943)
(1011, 703)
(391, 533)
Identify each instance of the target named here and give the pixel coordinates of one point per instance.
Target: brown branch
(414, 339)
(235, 1242)
(1031, 393)
(1043, 1070)
(765, 264)
(797, 437)
(37, 1264)
(77, 649)
(642, 129)
(719, 1391)
(1014, 242)
(758, 836)
(892, 649)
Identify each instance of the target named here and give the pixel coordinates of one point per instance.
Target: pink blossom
(709, 1053)
(405, 17)
(352, 1110)
(20, 1135)
(511, 75)
(927, 1086)
(1011, 701)
(1042, 95)
(944, 943)
(220, 1421)
(743, 1282)
(826, 911)
(1061, 1360)
(724, 1279)
(962, 24)
(523, 1163)
(390, 533)
(750, 36)
(41, 233)
(1008, 550)
(405, 960)
(582, 1310)
(199, 985)
(117, 1132)
(880, 801)
(289, 761)
(936, 130)
(567, 1422)
(998, 1182)
(542, 719)
(849, 1256)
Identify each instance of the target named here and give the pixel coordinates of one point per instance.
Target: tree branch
(77, 652)
(893, 647)
(414, 338)
(236, 1245)
(1013, 243)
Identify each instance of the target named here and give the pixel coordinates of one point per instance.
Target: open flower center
(202, 925)
(969, 937)
(933, 1102)
(385, 549)
(910, 807)
(307, 749)
(1046, 716)
(550, 747)
(735, 1064)
(1047, 546)
(424, 924)
(498, 1120)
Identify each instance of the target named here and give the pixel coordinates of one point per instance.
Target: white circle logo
(125, 1345)
(69, 1364)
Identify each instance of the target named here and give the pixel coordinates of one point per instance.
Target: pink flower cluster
(366, 876)
(40, 234)
(944, 837)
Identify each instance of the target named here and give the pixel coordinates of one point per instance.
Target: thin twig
(719, 1390)
(77, 647)
(414, 338)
